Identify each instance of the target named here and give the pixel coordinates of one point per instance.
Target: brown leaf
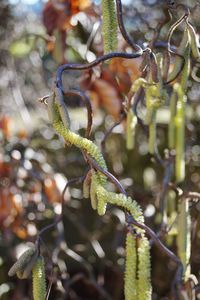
(51, 190)
(108, 97)
(126, 71)
(57, 13)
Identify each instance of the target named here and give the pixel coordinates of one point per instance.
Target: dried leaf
(51, 190)
(108, 97)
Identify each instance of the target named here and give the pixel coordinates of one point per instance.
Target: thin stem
(92, 64)
(123, 30)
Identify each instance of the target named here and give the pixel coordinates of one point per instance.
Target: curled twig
(94, 63)
(123, 30)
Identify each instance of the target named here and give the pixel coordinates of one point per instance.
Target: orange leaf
(126, 71)
(51, 191)
(5, 125)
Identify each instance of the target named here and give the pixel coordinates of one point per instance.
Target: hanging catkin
(109, 25)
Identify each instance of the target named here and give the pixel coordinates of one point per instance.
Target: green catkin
(133, 290)
(109, 25)
(130, 287)
(58, 49)
(150, 119)
(75, 139)
(93, 196)
(131, 122)
(152, 100)
(101, 203)
(194, 42)
(61, 108)
(140, 82)
(152, 133)
(172, 125)
(86, 185)
(184, 235)
(180, 134)
(23, 266)
(186, 70)
(152, 91)
(181, 50)
(144, 270)
(180, 89)
(121, 200)
(155, 94)
(184, 226)
(39, 282)
(98, 181)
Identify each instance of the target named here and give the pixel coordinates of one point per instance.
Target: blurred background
(84, 254)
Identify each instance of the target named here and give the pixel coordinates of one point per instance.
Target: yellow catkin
(120, 200)
(152, 133)
(39, 281)
(131, 122)
(93, 196)
(73, 138)
(83, 144)
(86, 185)
(109, 25)
(183, 224)
(140, 82)
(130, 280)
(180, 134)
(98, 182)
(144, 270)
(155, 97)
(186, 70)
(172, 125)
(184, 235)
(101, 204)
(150, 118)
